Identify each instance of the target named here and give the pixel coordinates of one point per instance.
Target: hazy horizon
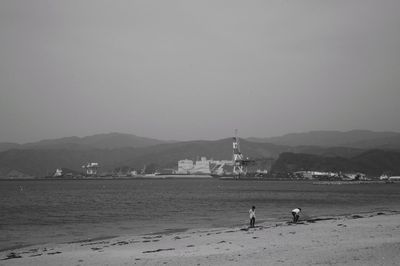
(187, 70)
(200, 139)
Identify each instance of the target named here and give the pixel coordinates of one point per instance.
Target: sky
(185, 70)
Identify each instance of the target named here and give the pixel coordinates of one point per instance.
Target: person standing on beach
(252, 213)
(296, 214)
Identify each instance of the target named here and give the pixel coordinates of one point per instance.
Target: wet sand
(359, 239)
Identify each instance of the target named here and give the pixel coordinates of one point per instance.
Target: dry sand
(366, 239)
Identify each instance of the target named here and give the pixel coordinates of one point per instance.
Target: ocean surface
(60, 211)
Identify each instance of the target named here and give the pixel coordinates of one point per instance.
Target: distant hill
(362, 139)
(8, 146)
(40, 160)
(344, 152)
(372, 162)
(387, 143)
(99, 141)
(117, 150)
(308, 142)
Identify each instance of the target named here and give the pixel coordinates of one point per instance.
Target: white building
(201, 167)
(133, 173)
(383, 177)
(356, 176)
(314, 174)
(91, 168)
(58, 172)
(185, 166)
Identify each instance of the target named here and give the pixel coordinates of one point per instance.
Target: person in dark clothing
(252, 213)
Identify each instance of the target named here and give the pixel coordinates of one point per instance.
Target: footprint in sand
(12, 255)
(120, 243)
(36, 255)
(158, 250)
(54, 253)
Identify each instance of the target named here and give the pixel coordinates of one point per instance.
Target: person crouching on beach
(252, 213)
(296, 214)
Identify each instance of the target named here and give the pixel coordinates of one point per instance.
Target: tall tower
(239, 164)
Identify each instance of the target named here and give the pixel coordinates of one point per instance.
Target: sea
(63, 211)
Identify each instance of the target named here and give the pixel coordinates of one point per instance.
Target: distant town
(205, 168)
(323, 156)
(185, 168)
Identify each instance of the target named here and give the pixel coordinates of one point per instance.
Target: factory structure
(237, 167)
(202, 166)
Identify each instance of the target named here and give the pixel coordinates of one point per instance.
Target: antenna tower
(239, 163)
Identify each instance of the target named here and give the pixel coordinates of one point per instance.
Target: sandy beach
(359, 239)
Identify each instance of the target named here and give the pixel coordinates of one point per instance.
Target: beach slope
(365, 239)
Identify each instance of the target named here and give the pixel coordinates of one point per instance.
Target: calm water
(47, 211)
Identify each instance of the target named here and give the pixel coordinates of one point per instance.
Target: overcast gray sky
(197, 69)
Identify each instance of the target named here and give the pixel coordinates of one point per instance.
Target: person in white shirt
(252, 213)
(296, 214)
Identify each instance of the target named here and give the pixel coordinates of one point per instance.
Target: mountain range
(371, 162)
(98, 141)
(115, 150)
(362, 139)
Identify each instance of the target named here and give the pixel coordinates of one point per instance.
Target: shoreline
(205, 177)
(300, 243)
(178, 230)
